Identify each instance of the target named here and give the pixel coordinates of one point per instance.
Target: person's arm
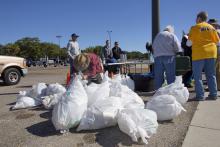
(215, 37)
(190, 37)
(176, 45)
(111, 54)
(102, 53)
(120, 51)
(68, 50)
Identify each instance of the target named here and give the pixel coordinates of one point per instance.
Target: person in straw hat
(90, 66)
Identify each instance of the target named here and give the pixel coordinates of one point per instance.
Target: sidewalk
(204, 130)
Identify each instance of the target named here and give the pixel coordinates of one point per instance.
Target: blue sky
(129, 20)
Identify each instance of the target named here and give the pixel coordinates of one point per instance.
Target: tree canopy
(32, 47)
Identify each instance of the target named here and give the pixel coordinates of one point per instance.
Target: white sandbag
(166, 107)
(127, 81)
(90, 90)
(51, 100)
(68, 112)
(97, 92)
(116, 78)
(37, 91)
(54, 89)
(175, 89)
(101, 114)
(23, 101)
(129, 98)
(105, 77)
(138, 123)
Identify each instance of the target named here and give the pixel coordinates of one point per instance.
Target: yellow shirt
(204, 38)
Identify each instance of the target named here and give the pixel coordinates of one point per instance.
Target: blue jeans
(165, 64)
(72, 70)
(209, 67)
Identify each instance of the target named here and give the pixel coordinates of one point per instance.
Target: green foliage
(11, 49)
(96, 49)
(32, 48)
(136, 55)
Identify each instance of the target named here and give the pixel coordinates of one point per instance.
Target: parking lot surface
(33, 127)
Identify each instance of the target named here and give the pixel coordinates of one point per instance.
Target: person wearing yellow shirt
(204, 39)
(214, 23)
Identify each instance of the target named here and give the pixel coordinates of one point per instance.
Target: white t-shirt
(73, 49)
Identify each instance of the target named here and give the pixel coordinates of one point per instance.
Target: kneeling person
(90, 65)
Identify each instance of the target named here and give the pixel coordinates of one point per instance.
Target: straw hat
(81, 62)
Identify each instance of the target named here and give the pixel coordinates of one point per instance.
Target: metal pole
(110, 39)
(155, 18)
(59, 37)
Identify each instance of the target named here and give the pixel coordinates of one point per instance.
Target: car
(11, 69)
(30, 63)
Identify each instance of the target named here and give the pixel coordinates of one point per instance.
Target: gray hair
(169, 28)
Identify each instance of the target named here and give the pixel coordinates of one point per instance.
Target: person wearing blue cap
(73, 50)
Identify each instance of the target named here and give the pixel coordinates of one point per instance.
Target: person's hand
(85, 77)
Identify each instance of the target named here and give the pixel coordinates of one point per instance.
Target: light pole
(59, 38)
(155, 18)
(110, 39)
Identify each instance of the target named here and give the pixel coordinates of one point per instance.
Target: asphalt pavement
(33, 127)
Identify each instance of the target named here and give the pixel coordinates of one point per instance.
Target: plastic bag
(37, 91)
(175, 89)
(128, 97)
(166, 107)
(97, 92)
(127, 81)
(68, 112)
(54, 89)
(51, 100)
(101, 114)
(138, 123)
(24, 101)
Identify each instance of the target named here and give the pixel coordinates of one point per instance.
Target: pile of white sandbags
(176, 89)
(112, 102)
(32, 97)
(53, 95)
(167, 101)
(165, 106)
(39, 94)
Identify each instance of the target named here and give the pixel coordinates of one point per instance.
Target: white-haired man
(165, 47)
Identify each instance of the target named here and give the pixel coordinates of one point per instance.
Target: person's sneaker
(196, 99)
(212, 98)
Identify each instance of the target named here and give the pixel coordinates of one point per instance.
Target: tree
(135, 55)
(2, 51)
(30, 47)
(95, 49)
(11, 49)
(49, 49)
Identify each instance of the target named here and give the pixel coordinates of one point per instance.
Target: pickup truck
(11, 69)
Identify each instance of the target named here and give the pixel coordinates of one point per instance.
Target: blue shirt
(166, 44)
